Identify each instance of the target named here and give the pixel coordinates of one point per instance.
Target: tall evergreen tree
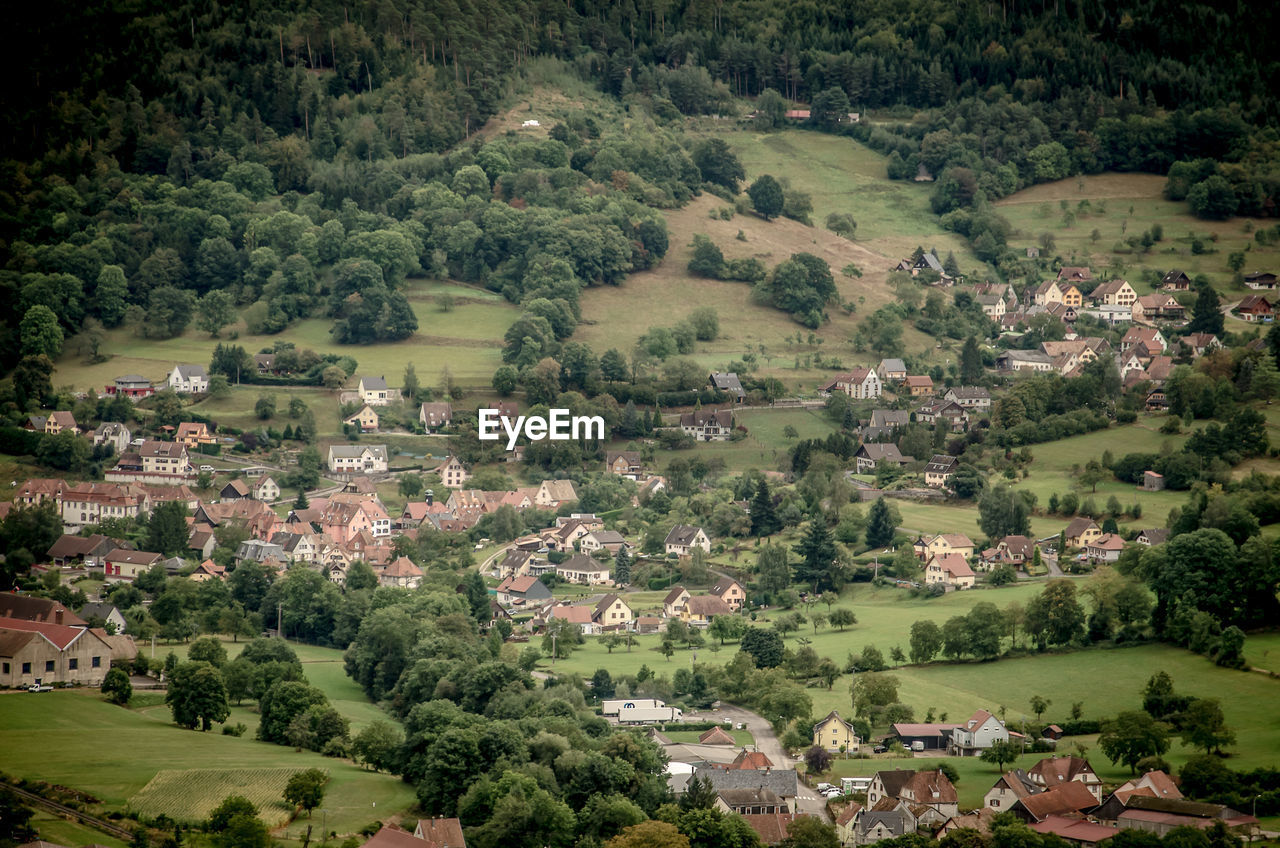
(970, 362)
(167, 530)
(880, 526)
(817, 554)
(764, 518)
(622, 566)
(1205, 315)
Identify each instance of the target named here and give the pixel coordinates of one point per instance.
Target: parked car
(38, 687)
(825, 787)
(208, 468)
(879, 749)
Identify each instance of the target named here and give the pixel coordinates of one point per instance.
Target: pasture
(1037, 210)
(52, 737)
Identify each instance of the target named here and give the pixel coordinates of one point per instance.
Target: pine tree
(817, 555)
(301, 501)
(764, 518)
(970, 362)
(1205, 315)
(880, 527)
(631, 425)
(1266, 379)
(622, 566)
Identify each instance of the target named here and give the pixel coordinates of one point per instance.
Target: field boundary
(70, 812)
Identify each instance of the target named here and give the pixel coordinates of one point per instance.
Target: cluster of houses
(44, 643)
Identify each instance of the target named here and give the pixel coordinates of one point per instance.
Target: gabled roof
(402, 567)
(441, 832)
(1069, 797)
(723, 585)
(582, 562)
(941, 464)
(833, 715)
(893, 364)
(373, 383)
(393, 837)
(27, 608)
(133, 557)
(1074, 830)
(727, 382)
(877, 451)
(186, 372)
(682, 534)
(707, 606)
(605, 602)
(952, 564)
(61, 636)
(1019, 783)
(1079, 525)
(674, 595)
(716, 736)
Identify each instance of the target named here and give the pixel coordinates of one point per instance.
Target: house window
(6, 668)
(97, 662)
(73, 664)
(26, 668)
(48, 665)
(995, 802)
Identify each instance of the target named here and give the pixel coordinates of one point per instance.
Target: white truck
(649, 715)
(612, 708)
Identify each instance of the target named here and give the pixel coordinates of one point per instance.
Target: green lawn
(52, 828)
(74, 738)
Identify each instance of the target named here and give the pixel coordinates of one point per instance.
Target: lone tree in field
(1039, 704)
(766, 197)
(116, 686)
(197, 695)
(1001, 751)
(842, 618)
(1130, 737)
(305, 789)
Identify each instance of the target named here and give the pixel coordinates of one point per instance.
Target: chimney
(430, 496)
(57, 616)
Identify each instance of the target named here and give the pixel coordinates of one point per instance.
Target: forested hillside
(172, 160)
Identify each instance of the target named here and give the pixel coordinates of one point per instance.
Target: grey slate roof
(782, 782)
(373, 382)
(186, 372)
(727, 382)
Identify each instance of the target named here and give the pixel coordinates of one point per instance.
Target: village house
(949, 569)
(582, 569)
(1010, 787)
(1074, 831)
(132, 386)
(453, 473)
(683, 539)
(836, 735)
(1055, 771)
(1075, 274)
(365, 420)
(1254, 308)
(103, 615)
(1198, 344)
(707, 425)
(1157, 307)
(60, 421)
(121, 565)
(358, 459)
(602, 540)
(1069, 799)
(700, 609)
(1152, 536)
(891, 371)
(730, 591)
(870, 454)
(435, 415)
(114, 434)
(612, 613)
(401, 574)
(919, 385)
(978, 733)
(440, 832)
(929, 788)
(943, 543)
(87, 551)
(258, 550)
(973, 398)
(673, 603)
(153, 462)
(554, 493)
(1260, 280)
(939, 469)
(233, 490)
(1081, 531)
(563, 536)
(1177, 280)
(1114, 293)
(624, 463)
(884, 421)
(860, 383)
(1161, 815)
(993, 305)
(266, 489)
(728, 383)
(194, 433)
(374, 391)
(1024, 360)
(92, 503)
(189, 379)
(1046, 293)
(522, 591)
(955, 416)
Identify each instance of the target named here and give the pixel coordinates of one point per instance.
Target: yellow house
(1071, 296)
(835, 734)
(366, 419)
(944, 543)
(1081, 531)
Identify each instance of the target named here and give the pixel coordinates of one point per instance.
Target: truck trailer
(649, 715)
(612, 708)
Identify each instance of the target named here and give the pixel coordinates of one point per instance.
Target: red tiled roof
(61, 636)
(441, 832)
(1074, 830)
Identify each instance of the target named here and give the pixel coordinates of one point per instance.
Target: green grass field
(1027, 212)
(466, 340)
(59, 831)
(690, 737)
(74, 738)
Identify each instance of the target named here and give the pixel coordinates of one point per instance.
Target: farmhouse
(1059, 771)
(111, 433)
(979, 732)
(453, 473)
(46, 653)
(970, 397)
(1024, 360)
(700, 609)
(1254, 308)
(1259, 280)
(624, 463)
(950, 569)
(891, 370)
(515, 591)
(708, 425)
(919, 386)
(683, 539)
(1113, 293)
(401, 574)
(1081, 531)
(730, 591)
(1177, 280)
(860, 383)
(583, 569)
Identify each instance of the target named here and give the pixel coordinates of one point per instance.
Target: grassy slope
(1142, 193)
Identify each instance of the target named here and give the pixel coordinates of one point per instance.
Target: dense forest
(200, 160)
